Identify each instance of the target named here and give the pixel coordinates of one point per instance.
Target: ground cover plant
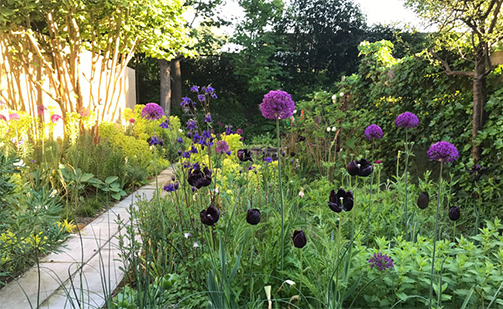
(241, 230)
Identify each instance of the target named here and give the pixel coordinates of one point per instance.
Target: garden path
(86, 268)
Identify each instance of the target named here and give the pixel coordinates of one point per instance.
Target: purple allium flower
(201, 97)
(179, 140)
(277, 105)
(454, 213)
(207, 118)
(373, 132)
(268, 160)
(239, 131)
(55, 118)
(194, 88)
(132, 120)
(152, 111)
(407, 120)
(164, 124)
(381, 262)
(444, 152)
(222, 146)
(191, 124)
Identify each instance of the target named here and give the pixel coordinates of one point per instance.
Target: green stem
(280, 192)
(370, 197)
(155, 167)
(435, 235)
(406, 177)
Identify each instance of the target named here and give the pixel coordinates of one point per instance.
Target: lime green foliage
(134, 149)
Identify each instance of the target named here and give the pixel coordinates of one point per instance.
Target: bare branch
(497, 11)
(448, 70)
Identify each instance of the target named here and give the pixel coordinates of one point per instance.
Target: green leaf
(111, 179)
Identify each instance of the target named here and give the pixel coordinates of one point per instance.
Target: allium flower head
(444, 152)
(222, 147)
(381, 261)
(373, 132)
(407, 120)
(277, 105)
(152, 111)
(239, 131)
(132, 120)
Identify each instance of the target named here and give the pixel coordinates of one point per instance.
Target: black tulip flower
(210, 216)
(244, 155)
(253, 216)
(423, 200)
(341, 200)
(454, 213)
(477, 171)
(198, 178)
(361, 168)
(299, 239)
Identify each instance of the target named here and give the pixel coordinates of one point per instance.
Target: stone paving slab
(81, 263)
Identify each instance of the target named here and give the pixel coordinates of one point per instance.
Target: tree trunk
(165, 98)
(176, 75)
(479, 101)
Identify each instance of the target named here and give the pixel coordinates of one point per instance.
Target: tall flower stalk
(408, 121)
(443, 152)
(372, 133)
(278, 105)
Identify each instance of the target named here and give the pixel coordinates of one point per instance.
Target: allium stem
(435, 235)
(155, 167)
(280, 192)
(406, 176)
(370, 197)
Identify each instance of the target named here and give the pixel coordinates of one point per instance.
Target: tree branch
(448, 70)
(497, 10)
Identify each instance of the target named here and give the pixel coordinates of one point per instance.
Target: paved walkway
(85, 269)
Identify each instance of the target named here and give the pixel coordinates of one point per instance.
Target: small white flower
(334, 129)
(180, 130)
(290, 282)
(341, 94)
(187, 235)
(295, 111)
(216, 190)
(334, 97)
(20, 163)
(328, 129)
(196, 245)
(53, 193)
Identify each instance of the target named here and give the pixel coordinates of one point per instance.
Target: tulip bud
(253, 216)
(299, 239)
(423, 200)
(454, 213)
